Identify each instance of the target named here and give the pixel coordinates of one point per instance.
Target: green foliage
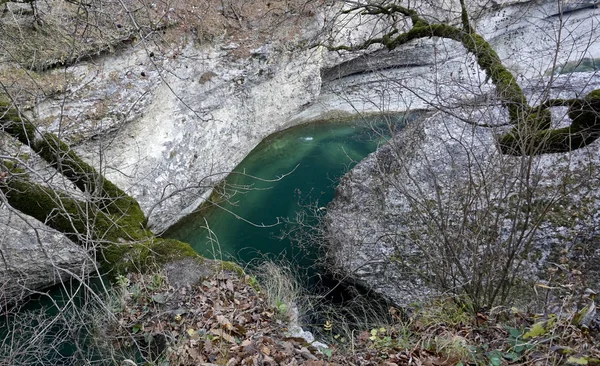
(253, 282)
(282, 308)
(326, 351)
(449, 312)
(517, 348)
(538, 329)
(122, 281)
(381, 338)
(141, 256)
(157, 281)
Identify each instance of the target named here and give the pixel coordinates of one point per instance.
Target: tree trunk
(111, 223)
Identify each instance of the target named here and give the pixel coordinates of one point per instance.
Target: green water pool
(289, 176)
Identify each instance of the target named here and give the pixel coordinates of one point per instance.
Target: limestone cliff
(441, 190)
(167, 120)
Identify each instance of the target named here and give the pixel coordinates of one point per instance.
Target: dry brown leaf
(232, 362)
(223, 335)
(246, 342)
(241, 330)
(225, 323)
(241, 319)
(229, 285)
(195, 354)
(265, 350)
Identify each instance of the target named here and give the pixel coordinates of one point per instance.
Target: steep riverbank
(439, 209)
(166, 121)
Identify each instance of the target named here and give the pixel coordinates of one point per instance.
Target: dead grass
(221, 319)
(63, 33)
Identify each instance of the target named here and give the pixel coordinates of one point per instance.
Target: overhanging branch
(59, 155)
(532, 133)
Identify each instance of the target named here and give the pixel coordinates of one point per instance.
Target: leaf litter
(221, 319)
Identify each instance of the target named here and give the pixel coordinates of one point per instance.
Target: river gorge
(241, 147)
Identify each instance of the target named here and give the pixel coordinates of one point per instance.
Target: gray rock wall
(169, 135)
(34, 257)
(166, 126)
(442, 178)
(440, 190)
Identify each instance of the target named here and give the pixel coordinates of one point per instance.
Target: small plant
(122, 281)
(253, 282)
(279, 286)
(381, 338)
(282, 308)
(446, 311)
(136, 292)
(518, 347)
(156, 282)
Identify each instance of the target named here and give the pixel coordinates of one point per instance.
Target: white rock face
(377, 236)
(182, 120)
(441, 181)
(187, 122)
(530, 38)
(34, 256)
(169, 124)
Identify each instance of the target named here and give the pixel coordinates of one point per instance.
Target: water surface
(290, 175)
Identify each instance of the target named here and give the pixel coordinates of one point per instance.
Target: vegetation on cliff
(532, 132)
(221, 319)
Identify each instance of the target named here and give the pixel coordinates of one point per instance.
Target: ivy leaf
(495, 358)
(514, 332)
(572, 360)
(536, 330)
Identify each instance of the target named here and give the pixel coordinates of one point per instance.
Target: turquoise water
(289, 177)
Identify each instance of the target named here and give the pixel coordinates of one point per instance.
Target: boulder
(34, 257)
(439, 208)
(442, 180)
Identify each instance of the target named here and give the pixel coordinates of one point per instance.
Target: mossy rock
(539, 120)
(120, 258)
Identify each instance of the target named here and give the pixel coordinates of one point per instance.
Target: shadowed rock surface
(34, 256)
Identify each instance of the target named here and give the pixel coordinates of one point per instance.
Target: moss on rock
(120, 258)
(536, 136)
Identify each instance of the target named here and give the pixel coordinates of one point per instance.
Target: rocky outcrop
(422, 213)
(166, 124)
(437, 73)
(169, 126)
(440, 190)
(34, 256)
(166, 121)
(171, 123)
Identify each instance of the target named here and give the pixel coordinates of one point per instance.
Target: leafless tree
(463, 212)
